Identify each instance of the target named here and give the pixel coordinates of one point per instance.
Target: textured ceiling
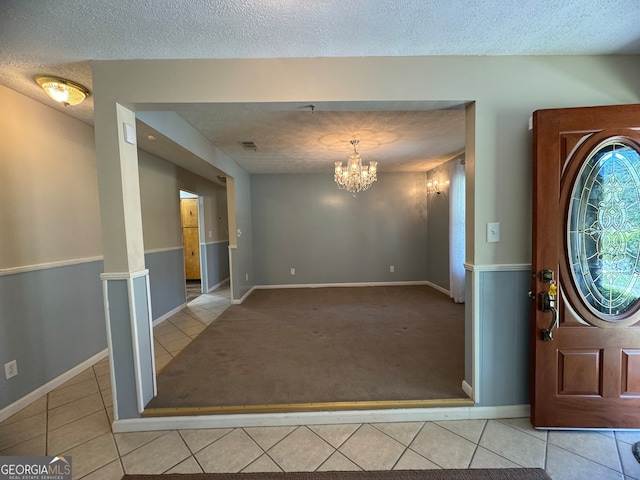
(292, 138)
(60, 37)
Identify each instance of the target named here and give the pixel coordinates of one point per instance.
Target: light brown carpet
(341, 344)
(470, 474)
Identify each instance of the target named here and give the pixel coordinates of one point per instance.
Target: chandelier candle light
(356, 177)
(434, 187)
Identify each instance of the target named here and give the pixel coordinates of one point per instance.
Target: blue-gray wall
(51, 320)
(50, 311)
(166, 280)
(166, 275)
(305, 222)
(217, 255)
(504, 326)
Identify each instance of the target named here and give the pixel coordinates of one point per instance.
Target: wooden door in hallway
(586, 263)
(190, 237)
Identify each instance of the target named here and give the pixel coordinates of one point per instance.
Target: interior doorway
(191, 244)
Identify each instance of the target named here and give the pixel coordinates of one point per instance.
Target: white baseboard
(357, 284)
(505, 411)
(167, 315)
(468, 389)
(217, 285)
(318, 418)
(244, 297)
(439, 288)
(40, 392)
(328, 285)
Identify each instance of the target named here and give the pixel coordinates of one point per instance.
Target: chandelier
(356, 177)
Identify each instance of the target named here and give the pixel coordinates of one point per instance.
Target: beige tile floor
(75, 419)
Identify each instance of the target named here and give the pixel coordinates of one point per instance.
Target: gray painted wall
(468, 328)
(438, 229)
(166, 280)
(145, 339)
(505, 348)
(160, 184)
(51, 320)
(305, 222)
(218, 260)
(122, 358)
(238, 189)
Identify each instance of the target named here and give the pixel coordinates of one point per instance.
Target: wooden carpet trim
(307, 407)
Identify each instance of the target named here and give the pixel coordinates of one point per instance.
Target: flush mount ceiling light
(62, 90)
(357, 177)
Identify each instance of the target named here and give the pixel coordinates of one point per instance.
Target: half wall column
(125, 278)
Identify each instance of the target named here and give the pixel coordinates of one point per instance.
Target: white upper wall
(506, 90)
(49, 208)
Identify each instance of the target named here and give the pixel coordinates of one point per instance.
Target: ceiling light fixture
(62, 90)
(357, 177)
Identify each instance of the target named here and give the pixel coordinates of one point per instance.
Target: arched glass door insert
(603, 231)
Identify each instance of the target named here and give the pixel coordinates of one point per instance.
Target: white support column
(125, 278)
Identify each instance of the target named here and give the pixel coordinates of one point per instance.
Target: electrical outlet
(392, 269)
(10, 369)
(293, 271)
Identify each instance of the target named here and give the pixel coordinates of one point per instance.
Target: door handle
(548, 303)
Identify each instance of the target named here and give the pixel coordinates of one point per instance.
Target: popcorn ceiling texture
(61, 37)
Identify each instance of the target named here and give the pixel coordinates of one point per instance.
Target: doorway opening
(190, 225)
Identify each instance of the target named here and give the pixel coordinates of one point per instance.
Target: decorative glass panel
(604, 230)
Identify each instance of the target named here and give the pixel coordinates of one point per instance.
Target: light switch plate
(493, 232)
(129, 134)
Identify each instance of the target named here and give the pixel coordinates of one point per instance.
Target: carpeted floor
(470, 474)
(307, 345)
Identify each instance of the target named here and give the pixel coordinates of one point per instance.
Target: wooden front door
(586, 268)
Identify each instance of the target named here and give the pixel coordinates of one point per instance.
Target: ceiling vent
(249, 145)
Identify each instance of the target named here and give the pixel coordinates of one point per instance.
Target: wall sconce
(435, 186)
(62, 90)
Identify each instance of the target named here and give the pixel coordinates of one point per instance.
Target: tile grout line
(264, 452)
(335, 449)
(475, 450)
(591, 459)
(184, 459)
(618, 442)
(588, 459)
(424, 424)
(106, 410)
